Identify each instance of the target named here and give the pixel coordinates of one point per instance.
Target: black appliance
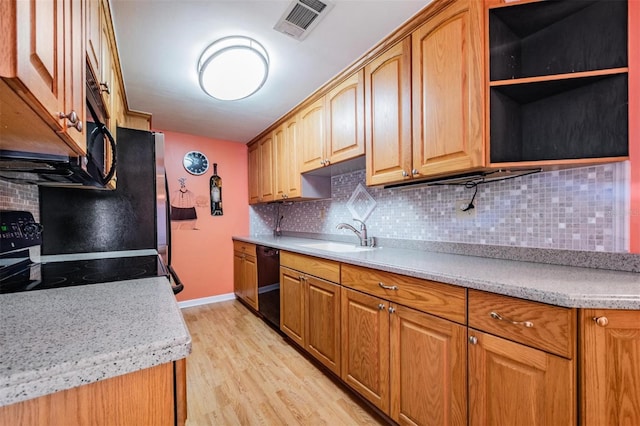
(133, 218)
(268, 263)
(21, 268)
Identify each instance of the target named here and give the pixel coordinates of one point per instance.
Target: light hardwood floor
(241, 372)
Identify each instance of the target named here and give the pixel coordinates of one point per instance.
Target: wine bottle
(215, 186)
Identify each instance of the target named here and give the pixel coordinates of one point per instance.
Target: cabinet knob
(473, 340)
(72, 120)
(322, 162)
(381, 306)
(405, 174)
(601, 321)
(415, 172)
(391, 309)
(104, 88)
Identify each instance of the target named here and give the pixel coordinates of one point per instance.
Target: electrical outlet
(471, 213)
(323, 213)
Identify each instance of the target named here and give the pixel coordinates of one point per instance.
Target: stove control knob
(32, 229)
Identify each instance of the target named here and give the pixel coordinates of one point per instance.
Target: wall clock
(195, 163)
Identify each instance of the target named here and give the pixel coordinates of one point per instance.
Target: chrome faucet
(362, 233)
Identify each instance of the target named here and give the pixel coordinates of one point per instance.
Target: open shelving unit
(558, 88)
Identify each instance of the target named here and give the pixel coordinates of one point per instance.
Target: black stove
(19, 271)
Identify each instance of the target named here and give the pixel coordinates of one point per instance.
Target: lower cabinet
(409, 364)
(245, 273)
(609, 367)
(310, 306)
(522, 369)
(153, 396)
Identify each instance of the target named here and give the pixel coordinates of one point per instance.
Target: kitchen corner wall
(203, 257)
(20, 197)
(574, 209)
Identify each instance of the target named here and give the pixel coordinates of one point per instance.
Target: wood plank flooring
(241, 372)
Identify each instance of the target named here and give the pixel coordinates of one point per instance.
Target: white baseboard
(206, 300)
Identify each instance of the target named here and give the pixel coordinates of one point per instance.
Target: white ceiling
(160, 41)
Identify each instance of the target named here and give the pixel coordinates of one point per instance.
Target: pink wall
(203, 258)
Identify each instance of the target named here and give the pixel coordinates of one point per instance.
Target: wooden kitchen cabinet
(310, 306)
(609, 367)
(253, 156)
(42, 63)
(522, 367)
(410, 364)
(365, 346)
(153, 396)
(287, 178)
(513, 384)
(387, 85)
(245, 273)
(447, 88)
(332, 127)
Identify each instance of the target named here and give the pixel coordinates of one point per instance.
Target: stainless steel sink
(337, 247)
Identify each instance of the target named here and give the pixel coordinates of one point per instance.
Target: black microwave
(93, 170)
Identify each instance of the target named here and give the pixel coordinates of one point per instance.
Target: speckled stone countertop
(569, 286)
(56, 339)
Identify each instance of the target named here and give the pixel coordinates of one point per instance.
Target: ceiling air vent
(301, 17)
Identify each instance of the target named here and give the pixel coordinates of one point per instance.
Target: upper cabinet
(558, 87)
(332, 127)
(42, 66)
(387, 85)
(447, 82)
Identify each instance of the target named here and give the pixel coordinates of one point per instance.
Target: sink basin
(337, 247)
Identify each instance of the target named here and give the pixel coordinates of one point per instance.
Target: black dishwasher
(268, 260)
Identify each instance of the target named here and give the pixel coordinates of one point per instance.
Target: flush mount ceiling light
(233, 68)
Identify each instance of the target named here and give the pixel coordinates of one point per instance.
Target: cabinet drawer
(321, 268)
(542, 326)
(246, 248)
(439, 299)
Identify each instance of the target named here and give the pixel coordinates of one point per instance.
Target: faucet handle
(362, 224)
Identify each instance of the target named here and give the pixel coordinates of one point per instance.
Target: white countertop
(56, 339)
(569, 286)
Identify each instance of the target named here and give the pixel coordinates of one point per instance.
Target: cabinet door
(387, 85)
(254, 174)
(292, 148)
(39, 64)
(447, 90)
(94, 36)
(610, 367)
(312, 155)
(292, 305)
(513, 384)
(345, 119)
(238, 274)
(74, 79)
(428, 369)
(322, 325)
(365, 346)
(251, 281)
(281, 163)
(266, 169)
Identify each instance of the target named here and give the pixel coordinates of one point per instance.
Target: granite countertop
(56, 339)
(568, 286)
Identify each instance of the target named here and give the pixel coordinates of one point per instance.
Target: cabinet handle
(322, 162)
(327, 161)
(381, 306)
(499, 317)
(405, 174)
(391, 309)
(388, 287)
(104, 87)
(473, 340)
(601, 321)
(415, 172)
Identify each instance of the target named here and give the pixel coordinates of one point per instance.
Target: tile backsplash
(574, 209)
(19, 197)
